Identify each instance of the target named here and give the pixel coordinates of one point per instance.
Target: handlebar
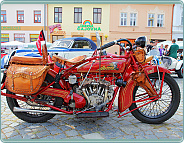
(113, 43)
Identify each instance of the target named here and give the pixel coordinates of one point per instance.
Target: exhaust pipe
(17, 109)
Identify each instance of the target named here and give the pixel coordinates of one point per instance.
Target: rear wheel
(180, 72)
(33, 117)
(160, 110)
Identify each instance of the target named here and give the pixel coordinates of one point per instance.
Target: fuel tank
(107, 66)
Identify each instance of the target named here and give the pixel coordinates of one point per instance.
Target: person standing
(150, 46)
(161, 49)
(173, 49)
(166, 51)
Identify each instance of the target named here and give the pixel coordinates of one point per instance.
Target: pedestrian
(155, 45)
(166, 50)
(173, 49)
(161, 49)
(150, 46)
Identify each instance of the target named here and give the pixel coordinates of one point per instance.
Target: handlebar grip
(107, 45)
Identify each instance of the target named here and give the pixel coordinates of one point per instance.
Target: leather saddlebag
(25, 79)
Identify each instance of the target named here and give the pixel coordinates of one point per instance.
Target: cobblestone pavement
(68, 127)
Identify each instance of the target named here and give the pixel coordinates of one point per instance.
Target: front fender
(179, 64)
(153, 69)
(126, 95)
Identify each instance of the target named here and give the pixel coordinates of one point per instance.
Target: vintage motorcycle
(88, 87)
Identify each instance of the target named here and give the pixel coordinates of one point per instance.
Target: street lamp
(151, 19)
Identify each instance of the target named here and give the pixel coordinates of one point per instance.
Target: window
(81, 45)
(160, 19)
(3, 16)
(97, 12)
(37, 16)
(123, 19)
(77, 15)
(56, 37)
(33, 37)
(150, 20)
(20, 16)
(4, 37)
(182, 18)
(58, 15)
(133, 19)
(19, 37)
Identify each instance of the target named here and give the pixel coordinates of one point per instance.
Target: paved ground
(68, 127)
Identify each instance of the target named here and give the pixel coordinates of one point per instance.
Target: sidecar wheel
(160, 110)
(180, 72)
(33, 117)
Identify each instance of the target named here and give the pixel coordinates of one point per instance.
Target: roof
(79, 39)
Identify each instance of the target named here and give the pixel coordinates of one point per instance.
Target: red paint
(126, 96)
(153, 69)
(107, 66)
(2, 55)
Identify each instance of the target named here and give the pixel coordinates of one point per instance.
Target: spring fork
(158, 74)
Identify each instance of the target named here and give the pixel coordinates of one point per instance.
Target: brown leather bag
(25, 75)
(25, 79)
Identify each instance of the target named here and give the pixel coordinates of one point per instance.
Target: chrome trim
(17, 109)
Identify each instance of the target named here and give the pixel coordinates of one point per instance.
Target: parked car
(66, 47)
(172, 64)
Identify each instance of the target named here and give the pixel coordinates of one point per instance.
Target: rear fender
(179, 64)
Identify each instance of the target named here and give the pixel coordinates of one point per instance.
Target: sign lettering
(52, 27)
(10, 28)
(88, 26)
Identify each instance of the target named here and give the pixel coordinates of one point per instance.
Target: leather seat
(32, 60)
(26, 60)
(72, 61)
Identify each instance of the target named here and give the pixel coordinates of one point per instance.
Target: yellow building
(78, 20)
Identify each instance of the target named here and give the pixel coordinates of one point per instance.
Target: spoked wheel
(161, 109)
(34, 117)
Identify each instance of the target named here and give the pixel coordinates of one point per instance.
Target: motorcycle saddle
(72, 61)
(27, 60)
(32, 60)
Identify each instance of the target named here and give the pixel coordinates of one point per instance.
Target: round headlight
(141, 41)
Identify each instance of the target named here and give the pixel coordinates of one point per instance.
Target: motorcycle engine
(96, 93)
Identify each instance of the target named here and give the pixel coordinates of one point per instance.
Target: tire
(180, 72)
(162, 109)
(32, 117)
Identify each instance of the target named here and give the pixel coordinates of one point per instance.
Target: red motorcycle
(88, 87)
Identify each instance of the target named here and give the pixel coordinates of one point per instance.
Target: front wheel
(160, 110)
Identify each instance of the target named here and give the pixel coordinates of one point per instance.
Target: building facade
(133, 20)
(21, 22)
(78, 20)
(177, 31)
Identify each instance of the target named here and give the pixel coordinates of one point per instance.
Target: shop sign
(59, 32)
(88, 26)
(52, 27)
(10, 28)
